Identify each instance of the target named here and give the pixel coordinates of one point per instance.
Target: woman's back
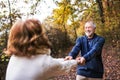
(40, 67)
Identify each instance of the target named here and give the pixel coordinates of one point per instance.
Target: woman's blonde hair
(26, 38)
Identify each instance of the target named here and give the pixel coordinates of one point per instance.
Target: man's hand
(68, 58)
(81, 60)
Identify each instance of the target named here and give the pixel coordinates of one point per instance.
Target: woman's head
(26, 38)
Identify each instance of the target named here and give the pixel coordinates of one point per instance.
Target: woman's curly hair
(26, 38)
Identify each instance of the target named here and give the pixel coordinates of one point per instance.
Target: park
(64, 22)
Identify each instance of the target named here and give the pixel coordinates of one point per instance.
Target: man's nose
(87, 28)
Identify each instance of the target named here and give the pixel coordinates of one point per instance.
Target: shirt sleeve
(95, 49)
(76, 49)
(63, 67)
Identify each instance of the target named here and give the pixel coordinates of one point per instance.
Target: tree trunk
(6, 32)
(101, 10)
(63, 23)
(10, 13)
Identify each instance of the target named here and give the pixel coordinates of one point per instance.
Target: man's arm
(75, 50)
(97, 47)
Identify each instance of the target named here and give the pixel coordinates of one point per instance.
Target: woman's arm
(62, 67)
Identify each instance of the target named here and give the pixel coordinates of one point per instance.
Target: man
(90, 65)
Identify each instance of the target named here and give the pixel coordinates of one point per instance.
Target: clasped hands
(80, 60)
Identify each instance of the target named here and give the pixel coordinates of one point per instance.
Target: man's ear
(94, 27)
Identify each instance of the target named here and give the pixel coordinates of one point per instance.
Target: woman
(29, 49)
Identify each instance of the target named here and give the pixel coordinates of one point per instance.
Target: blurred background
(64, 21)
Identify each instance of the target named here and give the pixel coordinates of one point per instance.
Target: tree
(101, 10)
(8, 16)
(112, 21)
(61, 15)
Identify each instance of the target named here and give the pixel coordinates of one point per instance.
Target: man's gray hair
(90, 22)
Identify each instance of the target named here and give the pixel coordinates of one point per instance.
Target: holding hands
(80, 60)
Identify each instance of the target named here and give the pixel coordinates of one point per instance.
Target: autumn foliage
(65, 24)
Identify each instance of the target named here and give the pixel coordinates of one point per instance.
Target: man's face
(89, 30)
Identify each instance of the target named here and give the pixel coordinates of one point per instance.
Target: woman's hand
(68, 58)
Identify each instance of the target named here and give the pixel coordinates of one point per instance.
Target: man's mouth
(88, 31)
